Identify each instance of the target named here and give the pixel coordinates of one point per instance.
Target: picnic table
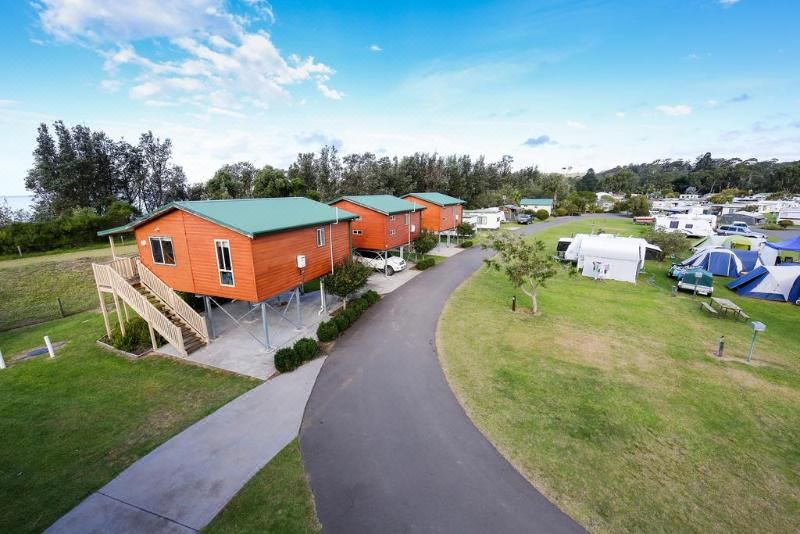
(726, 306)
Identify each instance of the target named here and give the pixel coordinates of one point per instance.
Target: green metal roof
(440, 199)
(536, 202)
(251, 217)
(387, 204)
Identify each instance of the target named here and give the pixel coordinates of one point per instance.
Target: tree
(672, 244)
(588, 182)
(465, 229)
(639, 206)
(526, 264)
(425, 242)
(271, 183)
(347, 278)
(232, 181)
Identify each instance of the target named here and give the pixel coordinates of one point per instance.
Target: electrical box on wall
(301, 262)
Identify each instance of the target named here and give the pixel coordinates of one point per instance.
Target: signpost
(757, 327)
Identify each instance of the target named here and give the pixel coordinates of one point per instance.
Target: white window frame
(391, 218)
(225, 243)
(358, 232)
(392, 231)
(407, 218)
(160, 240)
(321, 237)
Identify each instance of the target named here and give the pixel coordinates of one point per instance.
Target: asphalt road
(385, 443)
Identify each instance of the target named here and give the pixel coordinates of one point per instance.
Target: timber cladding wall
(262, 267)
(195, 268)
(275, 256)
(376, 228)
(439, 218)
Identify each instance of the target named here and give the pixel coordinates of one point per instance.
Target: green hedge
(425, 263)
(330, 330)
(77, 229)
(466, 244)
(290, 358)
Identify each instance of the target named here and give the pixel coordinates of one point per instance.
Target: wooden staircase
(191, 340)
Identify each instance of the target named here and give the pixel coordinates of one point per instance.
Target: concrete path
(386, 445)
(183, 484)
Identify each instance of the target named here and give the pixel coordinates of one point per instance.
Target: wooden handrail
(125, 266)
(167, 295)
(108, 276)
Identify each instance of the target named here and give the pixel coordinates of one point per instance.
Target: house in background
(442, 214)
(383, 223)
(536, 204)
(485, 219)
(248, 249)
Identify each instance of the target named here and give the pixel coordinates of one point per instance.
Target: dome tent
(772, 250)
(720, 261)
(777, 282)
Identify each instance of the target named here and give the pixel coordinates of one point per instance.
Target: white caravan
(484, 219)
(691, 225)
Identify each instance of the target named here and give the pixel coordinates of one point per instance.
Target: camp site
(399, 267)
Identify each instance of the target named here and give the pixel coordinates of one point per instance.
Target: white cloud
(375, 48)
(620, 114)
(110, 86)
(576, 124)
(676, 110)
(215, 60)
(7, 102)
(728, 3)
(712, 103)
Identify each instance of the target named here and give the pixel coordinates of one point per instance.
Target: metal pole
(299, 311)
(209, 317)
(752, 346)
(721, 346)
(2, 361)
(49, 346)
(266, 326)
(323, 305)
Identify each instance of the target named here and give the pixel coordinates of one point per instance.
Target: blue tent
(772, 251)
(720, 261)
(778, 282)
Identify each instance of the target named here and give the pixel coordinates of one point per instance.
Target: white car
(738, 229)
(379, 262)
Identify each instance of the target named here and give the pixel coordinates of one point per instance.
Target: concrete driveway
(386, 445)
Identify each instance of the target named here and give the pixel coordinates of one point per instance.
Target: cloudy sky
(570, 83)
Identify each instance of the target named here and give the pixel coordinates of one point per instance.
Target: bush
(342, 321)
(560, 212)
(359, 306)
(466, 244)
(786, 223)
(371, 297)
(425, 263)
(425, 242)
(327, 331)
(306, 349)
(542, 215)
(465, 229)
(351, 315)
(137, 336)
(286, 359)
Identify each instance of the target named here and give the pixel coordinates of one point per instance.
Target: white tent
(574, 249)
(610, 259)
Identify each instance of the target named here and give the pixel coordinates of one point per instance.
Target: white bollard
(2, 361)
(49, 346)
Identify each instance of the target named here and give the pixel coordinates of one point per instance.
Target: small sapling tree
(425, 242)
(526, 264)
(346, 279)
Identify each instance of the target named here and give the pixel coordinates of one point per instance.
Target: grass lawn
(29, 286)
(71, 424)
(276, 500)
(611, 403)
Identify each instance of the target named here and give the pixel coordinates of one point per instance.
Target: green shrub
(342, 321)
(306, 349)
(351, 315)
(327, 331)
(786, 223)
(466, 244)
(359, 306)
(372, 297)
(137, 336)
(560, 212)
(286, 359)
(425, 263)
(542, 215)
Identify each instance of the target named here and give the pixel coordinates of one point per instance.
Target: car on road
(524, 218)
(380, 262)
(739, 229)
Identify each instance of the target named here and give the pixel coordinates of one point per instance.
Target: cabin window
(673, 224)
(689, 226)
(482, 220)
(358, 232)
(224, 263)
(391, 218)
(163, 253)
(407, 220)
(392, 231)
(320, 237)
